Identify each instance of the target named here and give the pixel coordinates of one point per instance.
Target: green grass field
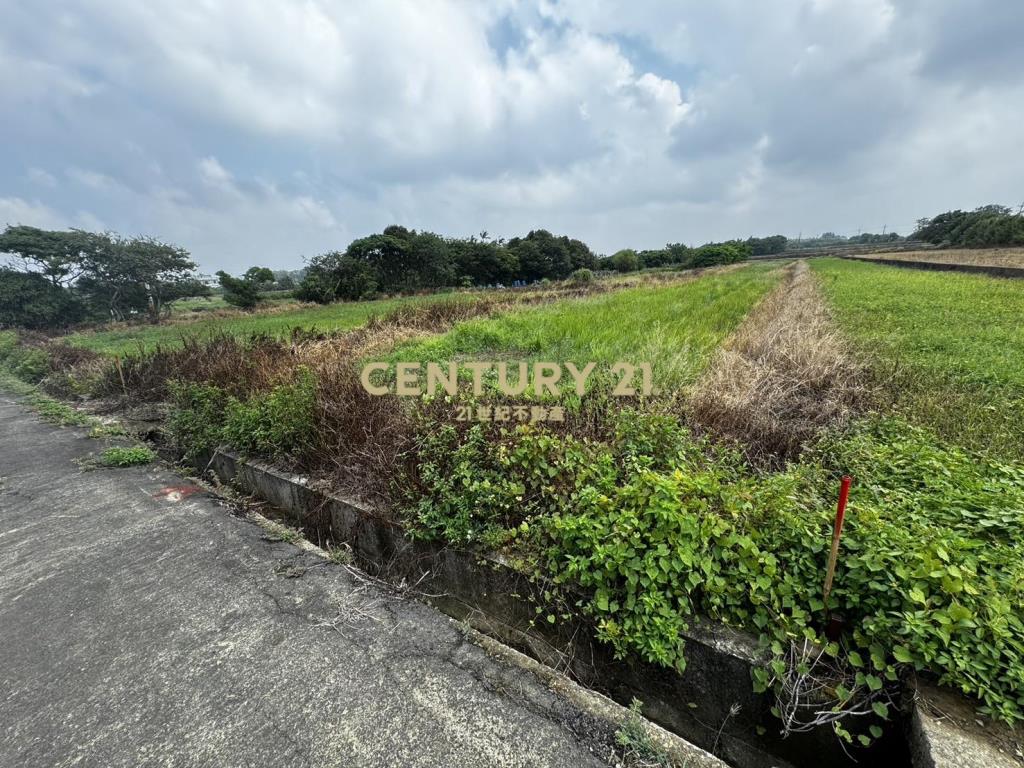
(332, 317)
(674, 328)
(954, 343)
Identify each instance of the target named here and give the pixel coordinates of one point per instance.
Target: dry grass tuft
(785, 375)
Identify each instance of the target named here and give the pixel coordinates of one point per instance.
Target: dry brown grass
(987, 257)
(783, 377)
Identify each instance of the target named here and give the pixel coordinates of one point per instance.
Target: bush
(582, 276)
(276, 424)
(196, 422)
(625, 260)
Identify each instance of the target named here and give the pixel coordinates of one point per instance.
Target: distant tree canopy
(244, 291)
(92, 275)
(831, 238)
(403, 260)
(765, 246)
(683, 257)
(983, 227)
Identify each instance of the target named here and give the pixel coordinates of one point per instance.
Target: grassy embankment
(952, 343)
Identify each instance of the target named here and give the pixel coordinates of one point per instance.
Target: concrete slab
(142, 626)
(946, 732)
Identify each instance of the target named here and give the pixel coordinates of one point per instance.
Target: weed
(341, 555)
(639, 750)
(275, 531)
(126, 456)
(101, 431)
(56, 412)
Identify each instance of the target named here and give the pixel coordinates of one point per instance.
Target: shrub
(582, 276)
(276, 424)
(625, 260)
(197, 418)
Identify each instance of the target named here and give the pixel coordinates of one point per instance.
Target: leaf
(879, 708)
(902, 653)
(874, 682)
(855, 658)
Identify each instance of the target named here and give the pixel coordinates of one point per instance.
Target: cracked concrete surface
(142, 630)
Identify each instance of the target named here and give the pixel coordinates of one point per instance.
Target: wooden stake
(837, 529)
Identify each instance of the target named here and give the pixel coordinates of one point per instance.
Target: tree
(336, 275)
(625, 260)
(139, 275)
(240, 292)
(260, 276)
(31, 300)
(60, 256)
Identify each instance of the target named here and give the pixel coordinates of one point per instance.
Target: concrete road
(140, 628)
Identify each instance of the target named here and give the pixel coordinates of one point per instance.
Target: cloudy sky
(265, 132)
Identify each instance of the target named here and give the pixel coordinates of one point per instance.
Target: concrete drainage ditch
(711, 705)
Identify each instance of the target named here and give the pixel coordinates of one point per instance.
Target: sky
(266, 133)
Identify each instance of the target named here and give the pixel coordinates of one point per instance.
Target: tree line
(987, 226)
(402, 260)
(60, 278)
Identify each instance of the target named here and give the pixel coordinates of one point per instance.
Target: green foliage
(658, 527)
(29, 300)
(131, 456)
(765, 246)
(625, 260)
(59, 256)
(115, 277)
(983, 227)
(241, 292)
(196, 421)
(638, 748)
(276, 424)
(28, 364)
(404, 260)
(718, 253)
(54, 411)
(582, 276)
(123, 277)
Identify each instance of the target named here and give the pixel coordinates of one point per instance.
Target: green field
(675, 328)
(954, 344)
(332, 317)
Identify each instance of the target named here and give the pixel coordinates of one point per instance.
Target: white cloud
(258, 133)
(41, 177)
(15, 210)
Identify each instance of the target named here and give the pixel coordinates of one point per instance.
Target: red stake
(837, 529)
